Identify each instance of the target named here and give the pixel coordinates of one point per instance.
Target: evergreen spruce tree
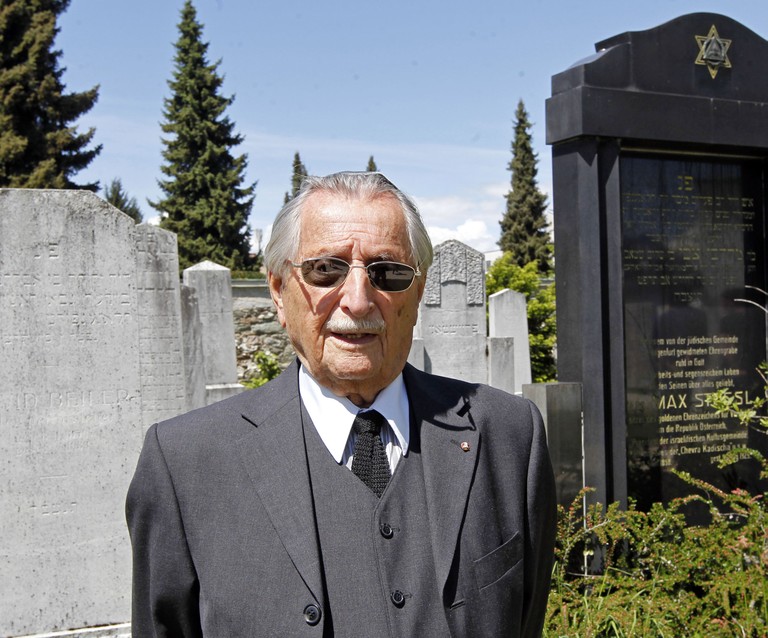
(299, 173)
(205, 202)
(116, 195)
(371, 168)
(524, 228)
(39, 145)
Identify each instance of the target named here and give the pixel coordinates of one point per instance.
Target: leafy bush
(658, 576)
(653, 575)
(268, 366)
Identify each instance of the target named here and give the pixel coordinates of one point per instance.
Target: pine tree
(299, 173)
(524, 228)
(205, 202)
(371, 168)
(39, 145)
(116, 195)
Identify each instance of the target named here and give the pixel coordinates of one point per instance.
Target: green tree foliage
(506, 273)
(299, 173)
(205, 202)
(661, 576)
(39, 145)
(524, 227)
(116, 196)
(267, 368)
(371, 168)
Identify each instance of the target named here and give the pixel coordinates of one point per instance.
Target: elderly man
(353, 495)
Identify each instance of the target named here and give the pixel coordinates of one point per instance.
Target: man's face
(324, 324)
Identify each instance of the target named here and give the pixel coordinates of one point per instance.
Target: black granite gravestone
(659, 166)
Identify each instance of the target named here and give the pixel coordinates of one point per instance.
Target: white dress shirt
(333, 417)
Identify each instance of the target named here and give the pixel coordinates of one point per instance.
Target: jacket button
(386, 530)
(312, 615)
(398, 598)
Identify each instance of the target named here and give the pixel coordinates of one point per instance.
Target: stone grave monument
(93, 349)
(659, 166)
(213, 289)
(451, 336)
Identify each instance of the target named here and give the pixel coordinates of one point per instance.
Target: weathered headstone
(451, 336)
(508, 318)
(70, 409)
(193, 349)
(452, 313)
(161, 356)
(501, 364)
(213, 290)
(659, 192)
(92, 351)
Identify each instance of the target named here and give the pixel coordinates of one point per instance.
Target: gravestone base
(122, 630)
(219, 391)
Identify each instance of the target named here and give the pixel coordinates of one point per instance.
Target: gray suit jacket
(221, 518)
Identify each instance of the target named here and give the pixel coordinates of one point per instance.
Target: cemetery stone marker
(659, 166)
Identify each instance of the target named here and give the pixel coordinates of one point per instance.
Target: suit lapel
(275, 459)
(449, 445)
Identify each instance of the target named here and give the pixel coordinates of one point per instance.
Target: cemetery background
(130, 299)
(100, 339)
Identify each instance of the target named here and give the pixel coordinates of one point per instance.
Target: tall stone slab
(70, 409)
(508, 318)
(452, 324)
(501, 363)
(163, 383)
(193, 349)
(560, 407)
(659, 171)
(213, 289)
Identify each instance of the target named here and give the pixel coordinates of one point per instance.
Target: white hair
(283, 245)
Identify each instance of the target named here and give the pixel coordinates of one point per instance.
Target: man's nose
(357, 292)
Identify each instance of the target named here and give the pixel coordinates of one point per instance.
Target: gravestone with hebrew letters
(659, 173)
(91, 351)
(161, 353)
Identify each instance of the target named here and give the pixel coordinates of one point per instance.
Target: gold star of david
(713, 51)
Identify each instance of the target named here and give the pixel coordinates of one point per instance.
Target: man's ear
(276, 292)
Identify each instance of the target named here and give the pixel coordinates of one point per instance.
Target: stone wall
(257, 329)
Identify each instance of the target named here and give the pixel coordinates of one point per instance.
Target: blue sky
(429, 88)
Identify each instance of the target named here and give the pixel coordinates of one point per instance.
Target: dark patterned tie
(369, 462)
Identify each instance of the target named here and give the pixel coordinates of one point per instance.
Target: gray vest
(377, 554)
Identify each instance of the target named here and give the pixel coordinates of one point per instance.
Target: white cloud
(471, 219)
(473, 232)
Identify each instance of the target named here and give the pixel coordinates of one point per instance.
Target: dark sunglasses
(330, 272)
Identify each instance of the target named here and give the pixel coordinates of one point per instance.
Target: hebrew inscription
(692, 245)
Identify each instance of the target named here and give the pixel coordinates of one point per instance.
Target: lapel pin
(464, 446)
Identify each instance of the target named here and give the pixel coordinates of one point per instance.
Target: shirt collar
(333, 415)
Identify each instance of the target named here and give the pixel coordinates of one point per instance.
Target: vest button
(312, 615)
(386, 530)
(398, 598)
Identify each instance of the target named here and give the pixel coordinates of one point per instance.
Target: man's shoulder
(452, 388)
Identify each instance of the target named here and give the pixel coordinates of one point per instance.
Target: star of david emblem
(713, 51)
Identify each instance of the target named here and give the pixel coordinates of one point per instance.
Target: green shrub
(652, 574)
(621, 573)
(268, 367)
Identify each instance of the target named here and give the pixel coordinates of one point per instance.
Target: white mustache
(343, 324)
